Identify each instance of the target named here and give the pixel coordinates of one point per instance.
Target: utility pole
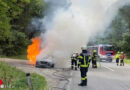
(29, 81)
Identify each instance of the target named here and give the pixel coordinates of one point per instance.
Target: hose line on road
(62, 78)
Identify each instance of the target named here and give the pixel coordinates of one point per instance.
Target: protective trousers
(94, 63)
(84, 71)
(121, 62)
(89, 62)
(117, 61)
(74, 64)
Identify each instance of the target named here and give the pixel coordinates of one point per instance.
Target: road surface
(107, 77)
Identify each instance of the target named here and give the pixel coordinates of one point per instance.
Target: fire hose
(61, 77)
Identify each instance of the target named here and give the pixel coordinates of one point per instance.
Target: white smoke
(72, 28)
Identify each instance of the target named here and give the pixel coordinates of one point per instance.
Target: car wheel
(37, 66)
(52, 66)
(110, 60)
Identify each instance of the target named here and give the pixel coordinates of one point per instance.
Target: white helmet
(84, 47)
(74, 55)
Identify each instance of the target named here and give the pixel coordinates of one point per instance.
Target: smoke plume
(70, 24)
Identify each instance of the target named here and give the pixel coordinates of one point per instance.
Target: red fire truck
(105, 52)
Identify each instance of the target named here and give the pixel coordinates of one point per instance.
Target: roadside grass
(22, 56)
(15, 79)
(127, 61)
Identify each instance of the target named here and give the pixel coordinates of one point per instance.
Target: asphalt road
(107, 77)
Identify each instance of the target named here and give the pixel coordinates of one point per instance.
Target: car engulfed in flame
(34, 50)
(45, 63)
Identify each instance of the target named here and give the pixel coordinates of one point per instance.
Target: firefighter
(122, 57)
(117, 57)
(89, 59)
(74, 59)
(94, 59)
(83, 64)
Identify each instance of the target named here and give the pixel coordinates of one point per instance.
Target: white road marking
(108, 68)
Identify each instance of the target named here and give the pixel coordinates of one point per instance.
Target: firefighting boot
(95, 66)
(72, 67)
(81, 84)
(85, 82)
(75, 68)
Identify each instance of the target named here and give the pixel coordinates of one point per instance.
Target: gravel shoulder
(56, 78)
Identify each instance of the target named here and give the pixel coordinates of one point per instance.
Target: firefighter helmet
(74, 54)
(84, 47)
(118, 52)
(94, 50)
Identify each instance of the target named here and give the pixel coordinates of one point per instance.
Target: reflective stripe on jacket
(73, 58)
(83, 61)
(117, 55)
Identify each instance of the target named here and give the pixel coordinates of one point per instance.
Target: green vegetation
(118, 33)
(15, 17)
(17, 80)
(22, 56)
(127, 61)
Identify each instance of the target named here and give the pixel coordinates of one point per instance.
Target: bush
(16, 45)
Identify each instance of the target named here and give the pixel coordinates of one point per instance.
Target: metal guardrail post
(29, 81)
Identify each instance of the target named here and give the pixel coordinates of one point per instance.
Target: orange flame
(33, 50)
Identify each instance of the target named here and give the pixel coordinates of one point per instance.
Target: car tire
(37, 66)
(110, 60)
(52, 66)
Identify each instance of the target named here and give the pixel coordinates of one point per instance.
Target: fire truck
(105, 52)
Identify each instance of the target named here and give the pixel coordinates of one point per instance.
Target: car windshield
(108, 48)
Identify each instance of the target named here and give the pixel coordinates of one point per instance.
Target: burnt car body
(45, 63)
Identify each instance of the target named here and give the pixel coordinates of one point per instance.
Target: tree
(18, 44)
(15, 16)
(31, 10)
(118, 33)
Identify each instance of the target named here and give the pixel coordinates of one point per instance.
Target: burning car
(47, 62)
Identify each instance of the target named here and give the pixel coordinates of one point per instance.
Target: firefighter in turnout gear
(74, 59)
(83, 64)
(89, 60)
(94, 59)
(122, 57)
(117, 58)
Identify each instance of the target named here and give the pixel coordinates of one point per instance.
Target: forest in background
(118, 33)
(16, 16)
